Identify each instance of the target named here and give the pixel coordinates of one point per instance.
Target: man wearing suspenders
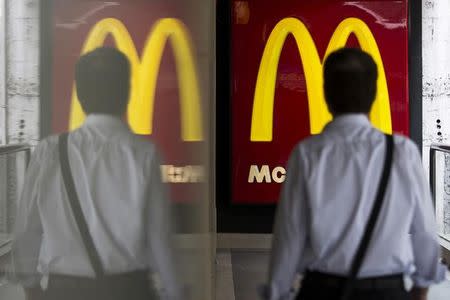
(355, 216)
(93, 218)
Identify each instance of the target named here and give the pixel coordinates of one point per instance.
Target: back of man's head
(103, 81)
(350, 81)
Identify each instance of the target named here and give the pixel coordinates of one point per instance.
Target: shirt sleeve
(290, 233)
(161, 254)
(27, 235)
(424, 230)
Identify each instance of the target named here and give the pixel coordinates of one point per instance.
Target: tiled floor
(240, 272)
(249, 272)
(10, 292)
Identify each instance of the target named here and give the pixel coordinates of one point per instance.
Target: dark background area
(231, 218)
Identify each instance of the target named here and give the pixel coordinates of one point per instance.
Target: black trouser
(319, 286)
(129, 286)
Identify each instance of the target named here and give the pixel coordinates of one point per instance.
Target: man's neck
(337, 115)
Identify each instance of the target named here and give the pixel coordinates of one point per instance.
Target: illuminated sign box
(166, 104)
(277, 98)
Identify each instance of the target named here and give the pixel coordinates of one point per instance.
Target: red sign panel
(277, 100)
(165, 98)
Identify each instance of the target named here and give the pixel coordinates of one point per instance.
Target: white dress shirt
(117, 178)
(327, 198)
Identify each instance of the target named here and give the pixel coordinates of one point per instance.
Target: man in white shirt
(329, 193)
(117, 178)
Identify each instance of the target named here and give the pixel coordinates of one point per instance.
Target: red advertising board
(165, 102)
(276, 63)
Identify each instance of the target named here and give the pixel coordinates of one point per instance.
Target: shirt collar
(106, 122)
(352, 120)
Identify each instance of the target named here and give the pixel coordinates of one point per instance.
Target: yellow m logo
(145, 73)
(262, 118)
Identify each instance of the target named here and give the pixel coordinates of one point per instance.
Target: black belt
(318, 279)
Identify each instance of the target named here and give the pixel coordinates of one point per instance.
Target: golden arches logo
(262, 118)
(144, 74)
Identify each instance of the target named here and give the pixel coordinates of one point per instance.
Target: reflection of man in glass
(329, 193)
(117, 179)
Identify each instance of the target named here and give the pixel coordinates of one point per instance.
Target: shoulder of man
(145, 148)
(310, 144)
(305, 146)
(143, 144)
(407, 147)
(47, 147)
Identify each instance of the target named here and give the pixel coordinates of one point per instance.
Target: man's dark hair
(350, 81)
(103, 81)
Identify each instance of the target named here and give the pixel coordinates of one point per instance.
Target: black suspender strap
(364, 244)
(76, 207)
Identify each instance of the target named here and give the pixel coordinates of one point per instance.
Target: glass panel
(12, 173)
(13, 164)
(2, 75)
(442, 193)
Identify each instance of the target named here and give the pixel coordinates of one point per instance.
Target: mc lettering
(264, 175)
(185, 174)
